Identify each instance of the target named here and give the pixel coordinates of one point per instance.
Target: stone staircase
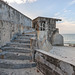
(16, 57)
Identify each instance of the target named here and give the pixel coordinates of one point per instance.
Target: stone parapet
(50, 64)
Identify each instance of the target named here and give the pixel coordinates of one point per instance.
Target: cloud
(20, 1)
(72, 2)
(63, 13)
(66, 26)
(65, 10)
(56, 14)
(32, 0)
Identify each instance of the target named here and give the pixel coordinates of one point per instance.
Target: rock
(57, 40)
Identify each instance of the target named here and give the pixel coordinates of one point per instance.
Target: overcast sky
(62, 9)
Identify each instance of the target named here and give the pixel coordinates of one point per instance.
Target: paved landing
(67, 53)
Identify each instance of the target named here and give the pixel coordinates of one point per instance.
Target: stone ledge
(53, 64)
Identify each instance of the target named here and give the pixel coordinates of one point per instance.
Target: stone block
(57, 40)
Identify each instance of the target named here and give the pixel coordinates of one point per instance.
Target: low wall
(50, 64)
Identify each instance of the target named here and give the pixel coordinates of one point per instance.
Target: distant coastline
(69, 39)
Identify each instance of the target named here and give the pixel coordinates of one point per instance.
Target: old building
(47, 27)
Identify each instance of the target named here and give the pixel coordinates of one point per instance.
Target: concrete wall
(11, 22)
(50, 64)
(10, 14)
(7, 30)
(57, 39)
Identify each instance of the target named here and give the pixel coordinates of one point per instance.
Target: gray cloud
(20, 1)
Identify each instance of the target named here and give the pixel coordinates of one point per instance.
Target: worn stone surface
(57, 39)
(18, 60)
(52, 65)
(33, 71)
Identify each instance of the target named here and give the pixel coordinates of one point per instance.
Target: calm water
(69, 38)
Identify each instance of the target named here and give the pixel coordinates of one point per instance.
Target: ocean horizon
(69, 38)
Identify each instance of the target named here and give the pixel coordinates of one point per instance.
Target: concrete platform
(33, 71)
(65, 52)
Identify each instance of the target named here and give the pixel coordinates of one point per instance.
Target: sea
(69, 38)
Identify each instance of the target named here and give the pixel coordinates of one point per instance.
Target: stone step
(22, 46)
(14, 44)
(24, 37)
(15, 61)
(14, 56)
(21, 40)
(17, 49)
(14, 48)
(29, 32)
(16, 53)
(26, 71)
(16, 66)
(29, 35)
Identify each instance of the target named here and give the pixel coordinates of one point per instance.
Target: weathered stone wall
(7, 30)
(10, 14)
(52, 65)
(11, 22)
(57, 39)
